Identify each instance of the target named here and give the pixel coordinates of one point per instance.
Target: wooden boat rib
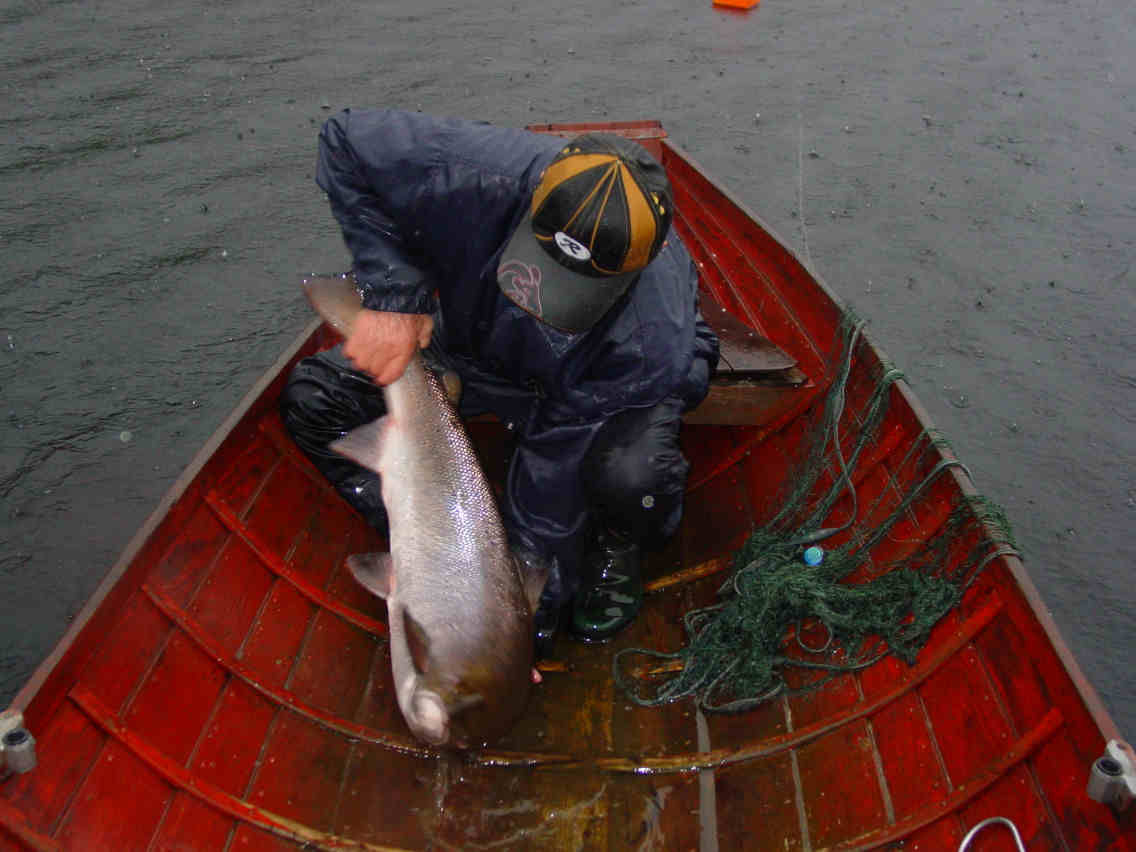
(228, 687)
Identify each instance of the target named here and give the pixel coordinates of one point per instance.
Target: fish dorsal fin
(417, 641)
(534, 575)
(374, 571)
(364, 444)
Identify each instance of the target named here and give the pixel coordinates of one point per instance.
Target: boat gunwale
(55, 665)
(46, 689)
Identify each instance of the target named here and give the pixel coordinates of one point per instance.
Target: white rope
(988, 822)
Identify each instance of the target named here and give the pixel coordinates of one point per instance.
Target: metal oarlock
(17, 745)
(1112, 779)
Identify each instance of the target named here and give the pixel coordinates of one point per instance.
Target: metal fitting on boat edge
(1112, 779)
(17, 745)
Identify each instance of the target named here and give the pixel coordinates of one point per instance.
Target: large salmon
(459, 609)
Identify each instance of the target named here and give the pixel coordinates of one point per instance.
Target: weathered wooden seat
(756, 380)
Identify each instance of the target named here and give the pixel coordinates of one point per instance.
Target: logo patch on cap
(520, 281)
(572, 248)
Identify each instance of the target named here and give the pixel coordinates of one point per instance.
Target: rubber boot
(611, 592)
(546, 624)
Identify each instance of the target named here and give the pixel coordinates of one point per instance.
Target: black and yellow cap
(599, 215)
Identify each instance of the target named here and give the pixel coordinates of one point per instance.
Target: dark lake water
(961, 174)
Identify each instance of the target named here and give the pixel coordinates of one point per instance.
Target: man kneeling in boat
(545, 273)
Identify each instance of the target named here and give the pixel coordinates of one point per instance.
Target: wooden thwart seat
(755, 379)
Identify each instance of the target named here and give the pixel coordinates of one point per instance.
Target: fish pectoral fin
(374, 572)
(417, 641)
(363, 445)
(534, 576)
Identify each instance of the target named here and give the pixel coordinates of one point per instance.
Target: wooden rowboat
(228, 686)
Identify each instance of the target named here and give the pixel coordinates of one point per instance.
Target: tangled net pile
(736, 656)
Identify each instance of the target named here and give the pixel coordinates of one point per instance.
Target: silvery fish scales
(460, 617)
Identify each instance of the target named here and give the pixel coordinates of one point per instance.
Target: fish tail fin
(336, 299)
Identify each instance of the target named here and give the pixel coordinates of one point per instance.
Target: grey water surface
(961, 173)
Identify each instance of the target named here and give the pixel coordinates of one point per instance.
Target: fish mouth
(430, 721)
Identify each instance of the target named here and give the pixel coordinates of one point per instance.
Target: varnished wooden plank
(323, 537)
(947, 808)
(333, 668)
(280, 509)
(99, 818)
(341, 586)
(181, 779)
(748, 402)
(835, 698)
(378, 709)
(714, 519)
(945, 834)
(272, 428)
(1022, 687)
(249, 839)
(1014, 797)
(908, 756)
(299, 749)
(841, 792)
(190, 824)
(271, 646)
(712, 450)
(757, 807)
(282, 696)
(190, 556)
(232, 595)
(275, 563)
(128, 652)
(568, 715)
(247, 476)
(16, 835)
(744, 351)
(772, 281)
(228, 749)
(765, 721)
(387, 798)
(967, 724)
(706, 234)
(176, 699)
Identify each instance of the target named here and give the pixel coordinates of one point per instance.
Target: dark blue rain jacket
(426, 206)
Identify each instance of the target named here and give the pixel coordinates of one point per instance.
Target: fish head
(465, 694)
(428, 717)
(471, 712)
(447, 716)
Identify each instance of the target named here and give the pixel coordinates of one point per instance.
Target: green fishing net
(740, 649)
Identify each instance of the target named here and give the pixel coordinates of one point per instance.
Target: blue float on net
(814, 555)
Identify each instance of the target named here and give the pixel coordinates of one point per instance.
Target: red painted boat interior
(230, 686)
